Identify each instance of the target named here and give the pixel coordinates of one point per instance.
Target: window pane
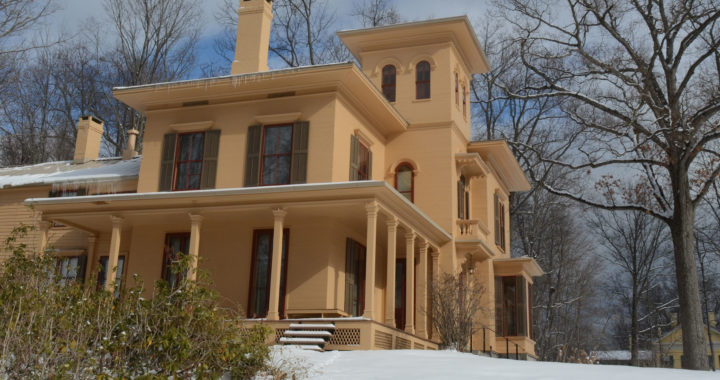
(181, 176)
(509, 306)
(284, 139)
(270, 165)
(262, 271)
(194, 182)
(184, 145)
(283, 170)
(271, 137)
(404, 179)
(198, 140)
(423, 71)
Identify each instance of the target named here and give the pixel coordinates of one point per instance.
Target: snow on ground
(421, 365)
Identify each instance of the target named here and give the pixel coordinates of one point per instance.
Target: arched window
(388, 82)
(405, 181)
(422, 80)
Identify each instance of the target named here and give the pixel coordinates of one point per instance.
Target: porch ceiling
(344, 201)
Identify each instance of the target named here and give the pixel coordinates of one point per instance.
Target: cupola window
(389, 74)
(405, 181)
(422, 80)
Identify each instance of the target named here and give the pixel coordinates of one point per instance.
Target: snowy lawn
(419, 365)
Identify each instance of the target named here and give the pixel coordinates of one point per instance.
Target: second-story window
(389, 74)
(405, 181)
(499, 223)
(422, 80)
(457, 89)
(360, 160)
(276, 155)
(464, 96)
(189, 161)
(463, 199)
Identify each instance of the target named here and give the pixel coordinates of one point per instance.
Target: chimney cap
(93, 118)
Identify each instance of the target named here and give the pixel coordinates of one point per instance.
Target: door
(400, 286)
(259, 298)
(354, 278)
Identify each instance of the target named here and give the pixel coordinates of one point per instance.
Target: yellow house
(322, 199)
(669, 349)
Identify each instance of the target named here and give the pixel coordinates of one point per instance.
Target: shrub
(51, 330)
(455, 302)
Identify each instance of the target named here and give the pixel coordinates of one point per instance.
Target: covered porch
(337, 250)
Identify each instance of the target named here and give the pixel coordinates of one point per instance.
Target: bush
(455, 301)
(51, 330)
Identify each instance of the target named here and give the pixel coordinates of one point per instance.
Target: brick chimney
(130, 151)
(89, 136)
(253, 36)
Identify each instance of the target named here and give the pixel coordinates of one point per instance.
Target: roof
(459, 30)
(620, 355)
(497, 153)
(50, 173)
(346, 78)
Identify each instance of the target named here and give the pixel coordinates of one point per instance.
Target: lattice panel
(383, 340)
(419, 346)
(345, 337)
(402, 344)
(279, 333)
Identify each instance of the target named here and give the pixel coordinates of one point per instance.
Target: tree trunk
(682, 231)
(634, 326)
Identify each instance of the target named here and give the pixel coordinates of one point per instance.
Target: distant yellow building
(323, 199)
(669, 351)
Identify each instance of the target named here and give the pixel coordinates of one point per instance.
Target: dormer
(423, 68)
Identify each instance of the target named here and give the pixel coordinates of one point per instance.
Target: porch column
(421, 307)
(193, 250)
(44, 232)
(276, 269)
(91, 264)
(371, 243)
(111, 271)
(392, 224)
(435, 265)
(410, 282)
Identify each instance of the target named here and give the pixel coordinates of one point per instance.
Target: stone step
(305, 340)
(312, 348)
(312, 326)
(308, 333)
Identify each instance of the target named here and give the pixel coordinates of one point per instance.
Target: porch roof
(68, 210)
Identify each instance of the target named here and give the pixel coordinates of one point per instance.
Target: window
(457, 89)
(175, 245)
(499, 222)
(388, 82)
(261, 265)
(422, 80)
(71, 269)
(463, 199)
(405, 180)
(511, 306)
(360, 160)
(103, 272)
(276, 155)
(189, 161)
(354, 278)
(400, 293)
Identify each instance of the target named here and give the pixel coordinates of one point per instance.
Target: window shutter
(369, 175)
(82, 263)
(521, 306)
(210, 159)
(354, 158)
(298, 170)
(499, 307)
(460, 200)
(167, 164)
(349, 277)
(497, 220)
(252, 159)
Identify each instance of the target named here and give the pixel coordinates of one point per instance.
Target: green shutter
(369, 175)
(167, 164)
(349, 277)
(252, 158)
(298, 170)
(354, 158)
(460, 200)
(210, 159)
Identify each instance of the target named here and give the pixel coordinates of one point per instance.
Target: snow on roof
(51, 173)
(619, 355)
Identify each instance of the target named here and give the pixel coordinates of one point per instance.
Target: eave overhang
(457, 30)
(65, 209)
(498, 155)
(345, 78)
(471, 165)
(517, 266)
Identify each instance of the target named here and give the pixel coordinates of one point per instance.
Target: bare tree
(374, 13)
(634, 243)
(639, 81)
(156, 42)
(455, 302)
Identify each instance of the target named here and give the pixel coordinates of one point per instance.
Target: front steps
(309, 336)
